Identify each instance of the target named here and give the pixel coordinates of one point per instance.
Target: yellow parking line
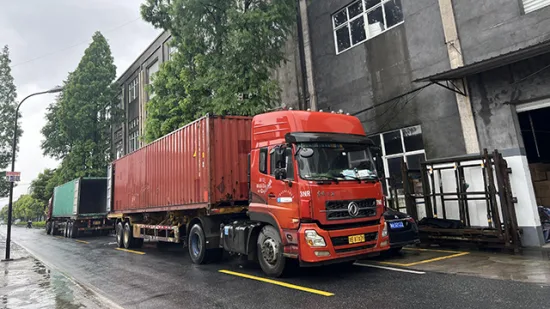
(131, 251)
(82, 241)
(430, 250)
(426, 261)
(279, 283)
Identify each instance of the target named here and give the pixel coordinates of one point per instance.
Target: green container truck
(79, 206)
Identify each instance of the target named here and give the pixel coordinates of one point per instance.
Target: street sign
(13, 176)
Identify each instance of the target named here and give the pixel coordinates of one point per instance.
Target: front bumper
(337, 248)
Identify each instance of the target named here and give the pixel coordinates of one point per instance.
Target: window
(133, 124)
(263, 160)
(119, 149)
(363, 20)
(171, 51)
(289, 164)
(118, 134)
(150, 73)
(404, 144)
(533, 5)
(133, 141)
(133, 90)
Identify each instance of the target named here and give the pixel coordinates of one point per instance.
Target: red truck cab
(314, 180)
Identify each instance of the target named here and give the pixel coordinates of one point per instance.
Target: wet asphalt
(166, 278)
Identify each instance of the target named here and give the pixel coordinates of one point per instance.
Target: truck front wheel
(49, 227)
(270, 252)
(119, 235)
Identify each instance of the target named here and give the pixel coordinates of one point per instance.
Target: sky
(47, 38)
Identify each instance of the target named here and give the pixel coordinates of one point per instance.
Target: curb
(106, 301)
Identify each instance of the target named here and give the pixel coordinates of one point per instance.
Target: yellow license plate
(354, 239)
(97, 222)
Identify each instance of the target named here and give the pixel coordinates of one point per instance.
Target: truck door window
(289, 164)
(263, 160)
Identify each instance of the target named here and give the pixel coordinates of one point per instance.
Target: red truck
(279, 187)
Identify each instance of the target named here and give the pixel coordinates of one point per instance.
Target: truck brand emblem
(353, 209)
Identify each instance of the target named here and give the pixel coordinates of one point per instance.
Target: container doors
(109, 186)
(76, 196)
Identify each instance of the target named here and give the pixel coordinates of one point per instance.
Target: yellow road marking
(82, 241)
(426, 261)
(430, 250)
(131, 251)
(279, 283)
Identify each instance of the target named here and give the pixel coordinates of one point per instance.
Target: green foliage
(26, 207)
(7, 110)
(227, 51)
(78, 128)
(42, 187)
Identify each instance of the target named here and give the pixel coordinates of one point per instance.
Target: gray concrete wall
(385, 67)
(289, 74)
(489, 28)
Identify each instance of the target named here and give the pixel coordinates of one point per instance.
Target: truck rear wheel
(66, 230)
(119, 235)
(48, 227)
(70, 230)
(128, 238)
(270, 252)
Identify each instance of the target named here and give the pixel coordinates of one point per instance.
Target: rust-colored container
(201, 165)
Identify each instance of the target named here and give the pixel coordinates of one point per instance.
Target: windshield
(335, 161)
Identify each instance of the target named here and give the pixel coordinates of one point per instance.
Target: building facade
(428, 78)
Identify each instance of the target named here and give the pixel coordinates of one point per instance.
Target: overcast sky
(47, 38)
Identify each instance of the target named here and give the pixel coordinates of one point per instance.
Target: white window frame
(534, 5)
(133, 90)
(363, 15)
(119, 149)
(133, 141)
(404, 154)
(150, 76)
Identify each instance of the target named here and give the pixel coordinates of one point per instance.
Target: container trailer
(281, 187)
(79, 206)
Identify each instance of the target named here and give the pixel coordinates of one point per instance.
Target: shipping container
(201, 165)
(79, 204)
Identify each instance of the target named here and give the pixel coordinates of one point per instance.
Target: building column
(307, 53)
(454, 51)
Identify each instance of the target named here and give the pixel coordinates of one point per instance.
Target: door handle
(271, 195)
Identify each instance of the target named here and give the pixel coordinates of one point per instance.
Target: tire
(74, 230)
(66, 230)
(48, 228)
(53, 230)
(70, 230)
(128, 239)
(119, 234)
(270, 252)
(197, 245)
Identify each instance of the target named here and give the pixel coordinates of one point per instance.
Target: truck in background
(282, 187)
(78, 206)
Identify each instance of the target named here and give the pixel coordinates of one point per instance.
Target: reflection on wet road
(27, 283)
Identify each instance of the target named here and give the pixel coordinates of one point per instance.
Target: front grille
(338, 210)
(354, 248)
(343, 240)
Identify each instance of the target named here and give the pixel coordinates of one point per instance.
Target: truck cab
(314, 179)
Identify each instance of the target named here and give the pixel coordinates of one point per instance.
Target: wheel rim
(196, 245)
(269, 251)
(119, 234)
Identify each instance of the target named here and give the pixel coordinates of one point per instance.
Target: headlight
(385, 230)
(314, 240)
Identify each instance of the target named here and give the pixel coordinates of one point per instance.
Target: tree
(77, 127)
(26, 208)
(228, 50)
(42, 187)
(8, 106)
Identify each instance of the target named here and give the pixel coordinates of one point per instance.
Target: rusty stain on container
(184, 169)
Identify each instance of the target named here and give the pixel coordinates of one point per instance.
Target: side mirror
(377, 154)
(279, 156)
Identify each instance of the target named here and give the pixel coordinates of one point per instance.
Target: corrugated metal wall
(63, 199)
(202, 163)
(533, 5)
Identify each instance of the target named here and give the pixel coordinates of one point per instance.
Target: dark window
(392, 143)
(263, 160)
(355, 9)
(394, 13)
(413, 138)
(342, 35)
(358, 33)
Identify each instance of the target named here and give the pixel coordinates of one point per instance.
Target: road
(153, 278)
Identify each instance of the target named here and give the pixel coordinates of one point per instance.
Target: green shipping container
(84, 196)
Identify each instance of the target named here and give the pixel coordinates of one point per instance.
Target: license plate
(354, 239)
(97, 222)
(397, 225)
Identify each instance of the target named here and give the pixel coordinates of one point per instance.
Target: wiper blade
(318, 178)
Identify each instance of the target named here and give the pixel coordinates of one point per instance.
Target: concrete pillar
(454, 51)
(142, 101)
(308, 56)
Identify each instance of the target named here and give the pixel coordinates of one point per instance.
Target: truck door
(283, 196)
